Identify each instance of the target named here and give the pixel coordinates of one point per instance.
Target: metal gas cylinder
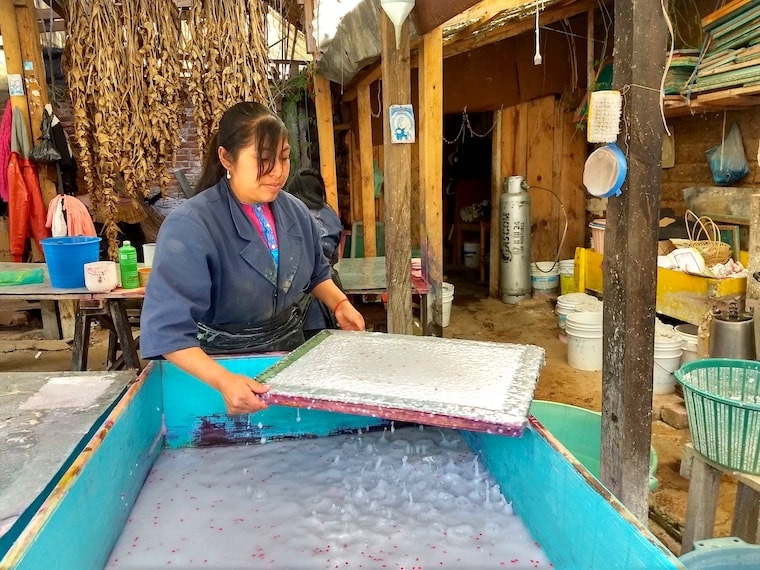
(514, 221)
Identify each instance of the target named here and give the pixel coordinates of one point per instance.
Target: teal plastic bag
(21, 277)
(728, 163)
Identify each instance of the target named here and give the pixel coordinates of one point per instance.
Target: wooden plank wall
(538, 140)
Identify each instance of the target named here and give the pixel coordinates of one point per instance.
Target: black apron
(283, 332)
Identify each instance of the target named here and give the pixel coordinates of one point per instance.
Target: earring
(228, 175)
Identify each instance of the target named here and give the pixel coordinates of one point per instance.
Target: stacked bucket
(579, 319)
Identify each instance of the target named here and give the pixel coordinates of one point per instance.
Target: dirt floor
(473, 316)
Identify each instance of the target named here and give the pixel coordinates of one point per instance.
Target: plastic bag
(727, 161)
(21, 277)
(45, 152)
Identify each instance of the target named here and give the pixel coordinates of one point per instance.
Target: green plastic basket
(722, 399)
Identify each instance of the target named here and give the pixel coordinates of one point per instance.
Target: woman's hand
(241, 394)
(349, 319)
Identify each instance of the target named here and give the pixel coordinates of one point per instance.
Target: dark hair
(308, 186)
(241, 125)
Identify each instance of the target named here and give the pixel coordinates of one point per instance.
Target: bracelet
(343, 300)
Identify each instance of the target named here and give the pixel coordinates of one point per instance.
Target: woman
(236, 265)
(308, 186)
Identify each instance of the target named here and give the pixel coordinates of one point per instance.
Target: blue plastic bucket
(66, 256)
(580, 431)
(728, 553)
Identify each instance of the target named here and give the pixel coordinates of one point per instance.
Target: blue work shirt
(212, 266)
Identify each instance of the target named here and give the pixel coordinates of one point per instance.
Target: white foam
(407, 499)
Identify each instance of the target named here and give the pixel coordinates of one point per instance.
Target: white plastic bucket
(584, 340)
(570, 303)
(471, 253)
(567, 276)
(149, 251)
(447, 298)
(689, 340)
(544, 279)
(667, 359)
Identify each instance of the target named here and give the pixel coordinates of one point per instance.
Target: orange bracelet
(343, 300)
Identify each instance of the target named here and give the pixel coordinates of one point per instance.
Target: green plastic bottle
(128, 266)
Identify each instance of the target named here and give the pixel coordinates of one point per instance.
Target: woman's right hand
(241, 394)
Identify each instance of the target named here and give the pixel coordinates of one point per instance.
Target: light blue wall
(195, 413)
(578, 527)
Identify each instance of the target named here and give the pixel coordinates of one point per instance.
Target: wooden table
(367, 275)
(107, 308)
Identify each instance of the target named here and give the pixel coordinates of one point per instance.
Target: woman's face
(244, 173)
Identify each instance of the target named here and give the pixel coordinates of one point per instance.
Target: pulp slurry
(407, 498)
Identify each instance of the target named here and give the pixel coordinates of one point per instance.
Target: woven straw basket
(710, 248)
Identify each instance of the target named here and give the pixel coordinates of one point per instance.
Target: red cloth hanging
(26, 210)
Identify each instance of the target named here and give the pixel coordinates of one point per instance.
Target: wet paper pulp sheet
(453, 383)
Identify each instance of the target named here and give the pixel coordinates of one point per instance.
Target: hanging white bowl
(605, 171)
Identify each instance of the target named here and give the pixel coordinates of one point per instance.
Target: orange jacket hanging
(26, 211)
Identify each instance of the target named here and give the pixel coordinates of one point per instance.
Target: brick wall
(693, 136)
(188, 157)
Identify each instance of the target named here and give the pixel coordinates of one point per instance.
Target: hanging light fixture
(397, 11)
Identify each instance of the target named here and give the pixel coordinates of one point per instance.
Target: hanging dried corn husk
(227, 56)
(123, 70)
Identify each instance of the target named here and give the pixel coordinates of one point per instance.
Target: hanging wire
(667, 64)
(564, 230)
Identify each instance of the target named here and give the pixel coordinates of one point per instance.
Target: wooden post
(367, 170)
(430, 79)
(326, 135)
(13, 58)
(630, 267)
(398, 181)
(753, 286)
(36, 86)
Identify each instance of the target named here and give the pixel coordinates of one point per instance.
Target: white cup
(101, 276)
(149, 250)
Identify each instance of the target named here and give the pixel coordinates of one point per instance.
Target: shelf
(737, 98)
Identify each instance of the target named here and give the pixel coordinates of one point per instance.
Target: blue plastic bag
(727, 161)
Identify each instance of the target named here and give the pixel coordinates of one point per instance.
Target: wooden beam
(455, 45)
(365, 77)
(590, 52)
(630, 259)
(482, 13)
(430, 79)
(398, 181)
(326, 135)
(430, 14)
(367, 171)
(308, 26)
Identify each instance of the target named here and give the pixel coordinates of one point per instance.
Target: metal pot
(732, 335)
